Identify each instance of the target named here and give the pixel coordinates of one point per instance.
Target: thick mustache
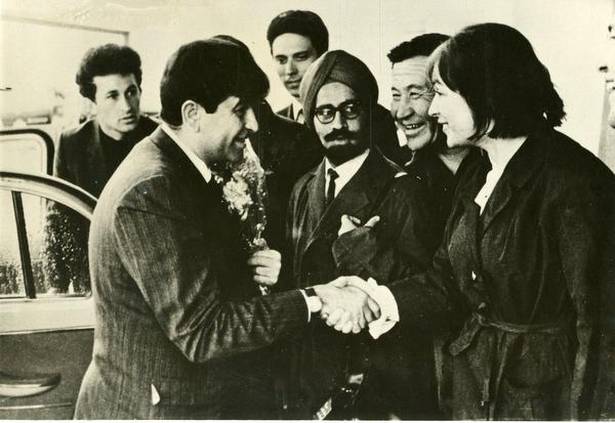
(339, 134)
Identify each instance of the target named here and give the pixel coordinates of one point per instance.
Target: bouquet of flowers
(244, 192)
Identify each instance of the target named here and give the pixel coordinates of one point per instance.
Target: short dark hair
(422, 45)
(207, 72)
(301, 22)
(104, 60)
(494, 67)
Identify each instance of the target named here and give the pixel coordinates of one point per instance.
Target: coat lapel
(96, 164)
(354, 199)
(175, 154)
(517, 173)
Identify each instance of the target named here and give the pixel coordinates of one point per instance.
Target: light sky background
(569, 36)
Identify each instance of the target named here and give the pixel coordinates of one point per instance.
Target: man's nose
(338, 120)
(125, 103)
(404, 108)
(250, 120)
(290, 67)
(434, 110)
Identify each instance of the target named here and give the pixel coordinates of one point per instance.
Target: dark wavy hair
(494, 67)
(104, 60)
(207, 72)
(302, 22)
(422, 45)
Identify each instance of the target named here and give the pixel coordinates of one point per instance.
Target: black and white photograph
(307, 210)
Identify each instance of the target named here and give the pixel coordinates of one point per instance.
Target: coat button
(473, 275)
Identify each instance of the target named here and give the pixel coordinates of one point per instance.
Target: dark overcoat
(530, 277)
(175, 326)
(320, 355)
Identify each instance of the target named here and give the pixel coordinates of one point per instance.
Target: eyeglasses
(349, 110)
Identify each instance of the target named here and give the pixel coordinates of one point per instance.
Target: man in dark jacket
(355, 183)
(87, 156)
(178, 315)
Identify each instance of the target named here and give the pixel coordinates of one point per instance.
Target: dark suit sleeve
(586, 243)
(171, 262)
(401, 245)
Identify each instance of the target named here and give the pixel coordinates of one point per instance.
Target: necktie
(300, 118)
(331, 188)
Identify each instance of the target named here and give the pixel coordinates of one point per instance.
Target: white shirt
(200, 165)
(345, 171)
(297, 110)
(500, 152)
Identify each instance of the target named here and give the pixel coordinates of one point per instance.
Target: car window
(11, 275)
(49, 257)
(26, 150)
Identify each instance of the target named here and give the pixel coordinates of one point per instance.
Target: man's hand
(349, 223)
(347, 309)
(266, 266)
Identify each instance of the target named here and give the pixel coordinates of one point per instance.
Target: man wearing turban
(354, 195)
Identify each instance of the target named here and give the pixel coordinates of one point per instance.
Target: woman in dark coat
(526, 264)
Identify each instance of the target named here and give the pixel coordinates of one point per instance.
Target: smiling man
(178, 311)
(354, 185)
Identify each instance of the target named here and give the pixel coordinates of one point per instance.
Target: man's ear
(190, 114)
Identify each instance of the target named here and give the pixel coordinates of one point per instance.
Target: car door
(46, 308)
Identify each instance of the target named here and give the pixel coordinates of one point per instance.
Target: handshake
(346, 304)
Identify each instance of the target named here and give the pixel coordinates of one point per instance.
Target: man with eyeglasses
(296, 39)
(332, 208)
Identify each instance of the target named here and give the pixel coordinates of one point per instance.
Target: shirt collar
(297, 107)
(346, 170)
(500, 152)
(196, 161)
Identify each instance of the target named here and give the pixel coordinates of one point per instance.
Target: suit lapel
(517, 173)
(175, 154)
(354, 198)
(95, 160)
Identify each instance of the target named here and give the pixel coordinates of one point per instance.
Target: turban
(336, 66)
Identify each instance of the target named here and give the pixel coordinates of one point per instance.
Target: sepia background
(43, 41)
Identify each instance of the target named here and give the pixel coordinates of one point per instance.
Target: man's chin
(128, 127)
(340, 153)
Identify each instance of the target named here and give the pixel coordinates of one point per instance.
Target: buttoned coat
(530, 277)
(320, 355)
(176, 321)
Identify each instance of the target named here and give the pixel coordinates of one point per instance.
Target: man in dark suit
(87, 156)
(354, 183)
(177, 320)
(110, 77)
